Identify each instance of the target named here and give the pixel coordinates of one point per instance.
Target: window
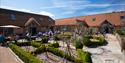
(41, 19)
(13, 16)
(50, 20)
(93, 19)
(122, 17)
(80, 23)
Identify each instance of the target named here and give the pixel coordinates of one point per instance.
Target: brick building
(27, 21)
(106, 22)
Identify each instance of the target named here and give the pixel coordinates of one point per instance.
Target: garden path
(110, 53)
(7, 56)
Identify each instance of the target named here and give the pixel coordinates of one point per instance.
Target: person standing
(2, 38)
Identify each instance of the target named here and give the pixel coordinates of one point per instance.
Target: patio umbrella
(9, 26)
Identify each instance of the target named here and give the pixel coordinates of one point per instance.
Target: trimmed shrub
(35, 44)
(83, 57)
(26, 57)
(40, 50)
(68, 33)
(23, 43)
(56, 45)
(78, 44)
(88, 36)
(67, 37)
(45, 39)
(102, 41)
(60, 53)
(56, 37)
(99, 41)
(86, 41)
(121, 32)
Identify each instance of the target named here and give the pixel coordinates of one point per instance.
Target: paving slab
(6, 56)
(111, 53)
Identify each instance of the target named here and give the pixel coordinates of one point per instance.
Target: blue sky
(64, 8)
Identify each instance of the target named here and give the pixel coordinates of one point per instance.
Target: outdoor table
(33, 37)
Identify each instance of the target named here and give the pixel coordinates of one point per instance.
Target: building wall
(117, 19)
(17, 18)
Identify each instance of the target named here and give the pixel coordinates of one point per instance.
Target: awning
(10, 26)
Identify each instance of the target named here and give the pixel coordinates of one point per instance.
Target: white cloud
(69, 5)
(59, 3)
(46, 13)
(78, 4)
(66, 5)
(104, 11)
(12, 8)
(23, 10)
(72, 6)
(29, 11)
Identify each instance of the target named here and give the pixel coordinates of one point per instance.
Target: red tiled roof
(113, 18)
(65, 21)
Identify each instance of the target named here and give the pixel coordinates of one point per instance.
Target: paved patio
(111, 53)
(7, 56)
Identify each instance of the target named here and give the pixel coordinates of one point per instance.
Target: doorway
(33, 31)
(106, 27)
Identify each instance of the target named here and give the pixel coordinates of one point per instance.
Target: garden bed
(28, 48)
(50, 53)
(71, 51)
(94, 41)
(23, 55)
(51, 58)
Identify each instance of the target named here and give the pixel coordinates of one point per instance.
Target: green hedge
(40, 50)
(56, 37)
(26, 57)
(35, 44)
(102, 41)
(88, 42)
(45, 39)
(56, 45)
(23, 43)
(121, 32)
(55, 51)
(60, 53)
(84, 57)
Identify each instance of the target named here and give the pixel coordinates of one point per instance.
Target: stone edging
(16, 57)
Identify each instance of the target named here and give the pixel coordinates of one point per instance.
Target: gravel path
(28, 48)
(71, 51)
(51, 58)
